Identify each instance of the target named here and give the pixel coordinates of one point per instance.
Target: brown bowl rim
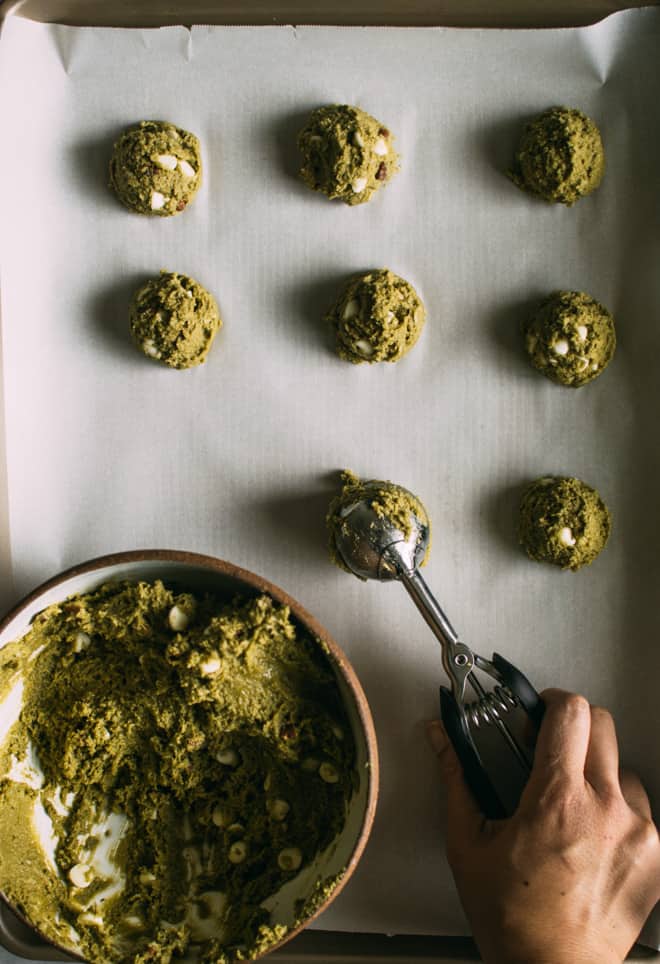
(339, 658)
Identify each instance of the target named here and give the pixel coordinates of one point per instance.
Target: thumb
(463, 814)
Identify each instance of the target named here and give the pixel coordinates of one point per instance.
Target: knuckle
(600, 713)
(575, 705)
(646, 836)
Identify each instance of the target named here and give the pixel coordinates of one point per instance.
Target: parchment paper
(108, 451)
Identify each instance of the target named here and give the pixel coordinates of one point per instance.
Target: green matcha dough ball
(156, 168)
(563, 521)
(389, 501)
(378, 317)
(174, 320)
(560, 157)
(570, 338)
(346, 153)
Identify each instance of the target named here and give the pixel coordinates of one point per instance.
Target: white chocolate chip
(210, 666)
(177, 619)
(359, 185)
(132, 921)
(561, 347)
(146, 877)
(79, 875)
(566, 536)
(364, 347)
(380, 147)
(238, 852)
(351, 310)
(228, 758)
(328, 773)
(80, 641)
(94, 919)
(278, 809)
(187, 169)
(290, 858)
(582, 332)
(157, 200)
(594, 366)
(584, 363)
(358, 139)
(166, 161)
(149, 348)
(220, 816)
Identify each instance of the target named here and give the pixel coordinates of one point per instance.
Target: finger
(563, 740)
(601, 768)
(634, 794)
(463, 814)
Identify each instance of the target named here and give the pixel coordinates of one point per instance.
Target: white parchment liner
(107, 451)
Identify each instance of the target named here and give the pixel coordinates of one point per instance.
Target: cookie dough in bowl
(187, 761)
(156, 168)
(570, 338)
(563, 521)
(346, 153)
(378, 317)
(560, 157)
(174, 320)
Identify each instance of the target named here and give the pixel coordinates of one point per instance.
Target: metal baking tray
(312, 946)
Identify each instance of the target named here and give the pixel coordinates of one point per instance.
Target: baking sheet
(106, 451)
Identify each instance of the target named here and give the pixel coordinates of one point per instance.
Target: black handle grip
(475, 775)
(521, 687)
(458, 731)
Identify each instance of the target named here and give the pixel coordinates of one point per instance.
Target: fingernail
(437, 736)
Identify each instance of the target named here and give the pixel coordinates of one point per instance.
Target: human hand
(572, 876)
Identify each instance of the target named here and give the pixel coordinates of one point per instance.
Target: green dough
(560, 157)
(174, 320)
(378, 317)
(156, 168)
(194, 755)
(563, 521)
(570, 338)
(346, 153)
(391, 502)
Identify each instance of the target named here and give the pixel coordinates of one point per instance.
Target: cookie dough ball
(563, 521)
(156, 168)
(400, 508)
(346, 153)
(378, 317)
(570, 338)
(174, 320)
(560, 157)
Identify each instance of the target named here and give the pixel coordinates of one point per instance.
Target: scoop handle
(476, 776)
